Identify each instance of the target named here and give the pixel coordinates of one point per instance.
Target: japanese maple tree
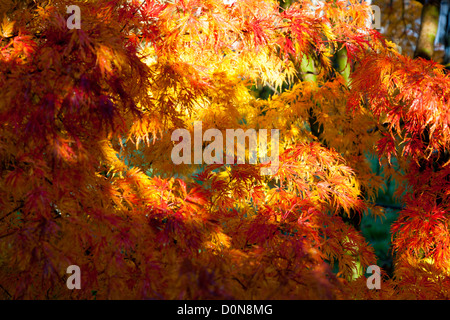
(87, 179)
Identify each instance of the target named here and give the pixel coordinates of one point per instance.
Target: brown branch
(6, 291)
(239, 281)
(389, 206)
(11, 212)
(145, 2)
(7, 234)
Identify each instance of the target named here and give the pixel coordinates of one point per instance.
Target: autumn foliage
(86, 176)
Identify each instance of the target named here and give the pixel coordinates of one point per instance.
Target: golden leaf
(7, 27)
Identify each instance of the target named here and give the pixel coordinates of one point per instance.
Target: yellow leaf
(7, 27)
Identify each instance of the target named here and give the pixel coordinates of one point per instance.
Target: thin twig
(145, 1)
(11, 212)
(389, 206)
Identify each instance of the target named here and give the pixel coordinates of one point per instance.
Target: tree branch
(11, 212)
